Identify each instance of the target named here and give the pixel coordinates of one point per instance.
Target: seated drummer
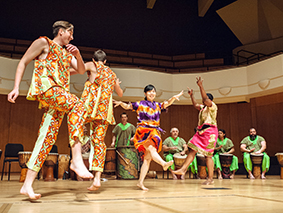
(172, 145)
(257, 145)
(224, 145)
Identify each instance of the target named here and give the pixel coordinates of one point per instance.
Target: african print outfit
(148, 130)
(97, 97)
(205, 138)
(50, 86)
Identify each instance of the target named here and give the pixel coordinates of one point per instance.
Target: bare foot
(232, 176)
(167, 164)
(142, 187)
(183, 177)
(79, 168)
(208, 182)
(28, 191)
(179, 172)
(95, 185)
(220, 177)
(252, 177)
(174, 176)
(263, 177)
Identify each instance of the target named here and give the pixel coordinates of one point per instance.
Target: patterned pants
(57, 102)
(98, 129)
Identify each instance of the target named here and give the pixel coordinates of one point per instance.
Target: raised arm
(195, 104)
(77, 61)
(171, 100)
(117, 88)
(205, 99)
(37, 48)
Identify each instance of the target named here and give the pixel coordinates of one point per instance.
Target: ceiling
(171, 27)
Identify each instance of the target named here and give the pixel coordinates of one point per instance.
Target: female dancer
(147, 138)
(205, 138)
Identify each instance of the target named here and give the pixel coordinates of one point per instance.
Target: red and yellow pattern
(51, 71)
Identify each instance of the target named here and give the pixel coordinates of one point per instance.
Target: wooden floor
(165, 195)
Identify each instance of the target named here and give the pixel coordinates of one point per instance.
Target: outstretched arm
(205, 99)
(122, 104)
(171, 100)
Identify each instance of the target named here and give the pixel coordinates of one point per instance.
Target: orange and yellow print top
(97, 96)
(51, 71)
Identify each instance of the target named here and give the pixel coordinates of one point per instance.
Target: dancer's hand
(190, 91)
(73, 49)
(178, 95)
(199, 81)
(12, 96)
(118, 82)
(117, 103)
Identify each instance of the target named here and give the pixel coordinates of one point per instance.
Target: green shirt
(253, 144)
(123, 134)
(170, 142)
(227, 145)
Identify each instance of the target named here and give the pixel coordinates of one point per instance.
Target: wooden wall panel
(20, 122)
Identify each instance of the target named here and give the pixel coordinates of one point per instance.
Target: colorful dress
(205, 138)
(50, 86)
(123, 134)
(250, 144)
(97, 97)
(227, 146)
(148, 130)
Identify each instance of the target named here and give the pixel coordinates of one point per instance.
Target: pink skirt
(204, 140)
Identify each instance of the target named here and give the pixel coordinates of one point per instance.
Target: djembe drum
(110, 161)
(256, 160)
(127, 162)
(201, 161)
(63, 165)
(179, 161)
(23, 159)
(49, 164)
(226, 161)
(280, 160)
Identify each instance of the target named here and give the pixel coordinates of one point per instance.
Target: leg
(169, 158)
(218, 165)
(98, 153)
(265, 165)
(47, 135)
(210, 165)
(234, 166)
(144, 170)
(156, 157)
(248, 164)
(186, 164)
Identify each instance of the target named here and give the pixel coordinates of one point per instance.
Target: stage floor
(164, 195)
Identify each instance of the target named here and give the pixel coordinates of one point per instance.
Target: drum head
(253, 154)
(226, 155)
(23, 153)
(200, 155)
(178, 155)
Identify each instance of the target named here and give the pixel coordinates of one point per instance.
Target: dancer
(147, 138)
(97, 97)
(205, 138)
(50, 86)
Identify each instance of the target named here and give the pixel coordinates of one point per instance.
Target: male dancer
(97, 97)
(50, 86)
(205, 138)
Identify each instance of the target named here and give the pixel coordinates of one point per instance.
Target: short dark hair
(123, 113)
(148, 88)
(210, 96)
(99, 55)
(224, 132)
(65, 25)
(252, 128)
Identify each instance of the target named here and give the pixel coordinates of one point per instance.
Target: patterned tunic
(97, 96)
(51, 71)
(148, 130)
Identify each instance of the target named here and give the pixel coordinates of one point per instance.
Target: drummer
(172, 145)
(257, 145)
(123, 133)
(224, 145)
